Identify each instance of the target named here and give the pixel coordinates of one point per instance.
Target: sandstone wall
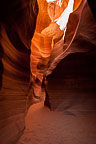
(17, 24)
(73, 75)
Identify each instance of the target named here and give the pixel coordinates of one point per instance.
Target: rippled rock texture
(17, 24)
(75, 74)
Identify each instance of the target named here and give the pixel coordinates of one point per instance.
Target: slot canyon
(47, 72)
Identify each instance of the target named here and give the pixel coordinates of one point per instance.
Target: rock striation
(71, 85)
(17, 24)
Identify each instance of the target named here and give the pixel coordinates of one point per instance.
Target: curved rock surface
(72, 84)
(17, 24)
(75, 74)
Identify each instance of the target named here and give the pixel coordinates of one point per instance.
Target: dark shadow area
(72, 84)
(1, 66)
(92, 4)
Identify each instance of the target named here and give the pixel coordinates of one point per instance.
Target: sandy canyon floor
(54, 127)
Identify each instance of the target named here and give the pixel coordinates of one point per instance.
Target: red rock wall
(17, 24)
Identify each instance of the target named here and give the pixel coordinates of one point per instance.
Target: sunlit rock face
(52, 30)
(17, 24)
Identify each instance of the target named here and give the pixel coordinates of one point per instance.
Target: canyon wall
(72, 85)
(17, 24)
(73, 80)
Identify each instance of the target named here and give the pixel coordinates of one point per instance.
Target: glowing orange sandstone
(51, 26)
